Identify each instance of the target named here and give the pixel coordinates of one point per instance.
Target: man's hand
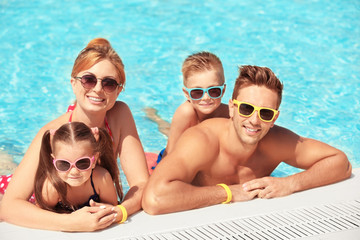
(269, 187)
(239, 195)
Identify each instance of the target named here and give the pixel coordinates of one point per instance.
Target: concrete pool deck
(329, 212)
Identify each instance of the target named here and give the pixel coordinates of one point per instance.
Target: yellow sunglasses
(247, 110)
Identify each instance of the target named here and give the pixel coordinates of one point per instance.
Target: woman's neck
(95, 119)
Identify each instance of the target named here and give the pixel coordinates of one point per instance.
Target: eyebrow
(90, 73)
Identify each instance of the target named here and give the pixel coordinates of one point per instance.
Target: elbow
(1, 210)
(345, 165)
(348, 170)
(152, 203)
(4, 211)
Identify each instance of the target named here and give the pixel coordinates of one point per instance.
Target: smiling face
(250, 130)
(72, 152)
(205, 79)
(96, 99)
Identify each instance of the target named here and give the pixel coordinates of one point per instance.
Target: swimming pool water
(312, 46)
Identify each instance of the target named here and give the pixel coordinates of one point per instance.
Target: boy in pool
(204, 86)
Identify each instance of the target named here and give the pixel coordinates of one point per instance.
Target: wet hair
(259, 76)
(72, 133)
(97, 50)
(200, 62)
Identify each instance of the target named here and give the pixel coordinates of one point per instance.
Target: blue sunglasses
(198, 93)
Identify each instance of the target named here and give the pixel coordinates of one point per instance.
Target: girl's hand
(91, 218)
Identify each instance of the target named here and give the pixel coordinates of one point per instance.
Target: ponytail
(108, 160)
(46, 170)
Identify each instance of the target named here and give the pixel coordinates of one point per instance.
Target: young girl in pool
(76, 165)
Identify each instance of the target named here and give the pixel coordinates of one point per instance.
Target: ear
(72, 82)
(275, 118)
(223, 90)
(186, 94)
(231, 108)
(119, 90)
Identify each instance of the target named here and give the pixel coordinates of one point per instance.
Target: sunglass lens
(266, 114)
(62, 165)
(215, 92)
(196, 94)
(246, 109)
(83, 164)
(109, 85)
(88, 81)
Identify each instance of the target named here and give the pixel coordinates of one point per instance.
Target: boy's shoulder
(185, 110)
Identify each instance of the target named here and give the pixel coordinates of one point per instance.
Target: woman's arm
(132, 158)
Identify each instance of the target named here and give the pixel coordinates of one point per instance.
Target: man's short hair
(259, 76)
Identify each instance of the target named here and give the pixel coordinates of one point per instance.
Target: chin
(207, 110)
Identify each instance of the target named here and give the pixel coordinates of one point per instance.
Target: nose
(206, 96)
(254, 118)
(73, 169)
(98, 86)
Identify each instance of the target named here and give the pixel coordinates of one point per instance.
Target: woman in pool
(97, 79)
(76, 165)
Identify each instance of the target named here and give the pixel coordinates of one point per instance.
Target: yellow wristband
(124, 213)
(228, 192)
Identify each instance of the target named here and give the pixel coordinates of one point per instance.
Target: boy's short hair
(200, 62)
(260, 76)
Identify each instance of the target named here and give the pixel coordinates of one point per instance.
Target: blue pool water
(313, 47)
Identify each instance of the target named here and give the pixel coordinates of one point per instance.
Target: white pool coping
(144, 226)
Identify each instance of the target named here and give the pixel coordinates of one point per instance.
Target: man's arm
(323, 165)
(169, 188)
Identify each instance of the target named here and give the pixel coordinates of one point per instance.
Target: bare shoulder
(202, 139)
(214, 125)
(120, 119)
(185, 110)
(56, 123)
(100, 174)
(119, 108)
(278, 134)
(280, 143)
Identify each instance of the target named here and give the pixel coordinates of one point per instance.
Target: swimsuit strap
(108, 128)
(71, 109)
(92, 184)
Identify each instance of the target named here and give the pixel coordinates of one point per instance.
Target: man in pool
(229, 160)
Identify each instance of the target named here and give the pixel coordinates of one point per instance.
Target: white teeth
(96, 99)
(251, 130)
